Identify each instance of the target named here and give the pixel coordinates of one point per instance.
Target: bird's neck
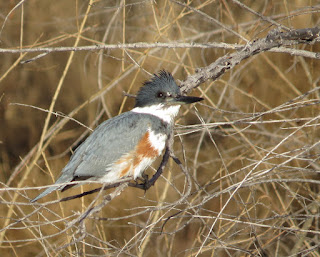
(165, 113)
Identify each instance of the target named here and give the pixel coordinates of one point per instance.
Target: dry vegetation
(252, 148)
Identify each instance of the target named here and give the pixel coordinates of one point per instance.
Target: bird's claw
(144, 182)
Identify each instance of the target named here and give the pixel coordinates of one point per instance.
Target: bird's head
(162, 90)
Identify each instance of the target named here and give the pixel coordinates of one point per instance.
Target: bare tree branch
(274, 39)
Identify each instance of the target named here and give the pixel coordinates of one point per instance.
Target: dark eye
(160, 95)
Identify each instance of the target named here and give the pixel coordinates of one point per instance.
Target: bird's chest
(149, 147)
(157, 141)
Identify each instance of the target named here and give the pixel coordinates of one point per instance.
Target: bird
(125, 145)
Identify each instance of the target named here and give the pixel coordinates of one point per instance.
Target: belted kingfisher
(125, 145)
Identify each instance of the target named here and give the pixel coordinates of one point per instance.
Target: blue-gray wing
(109, 142)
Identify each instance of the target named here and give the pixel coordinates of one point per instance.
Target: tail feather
(65, 178)
(45, 192)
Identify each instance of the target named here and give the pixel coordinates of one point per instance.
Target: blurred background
(251, 147)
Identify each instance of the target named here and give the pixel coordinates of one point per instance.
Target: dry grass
(252, 148)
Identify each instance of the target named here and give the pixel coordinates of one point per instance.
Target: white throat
(166, 114)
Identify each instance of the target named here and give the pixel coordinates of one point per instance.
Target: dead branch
(274, 39)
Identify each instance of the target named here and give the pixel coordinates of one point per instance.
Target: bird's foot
(143, 178)
(143, 182)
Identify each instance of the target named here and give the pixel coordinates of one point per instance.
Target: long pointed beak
(186, 99)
